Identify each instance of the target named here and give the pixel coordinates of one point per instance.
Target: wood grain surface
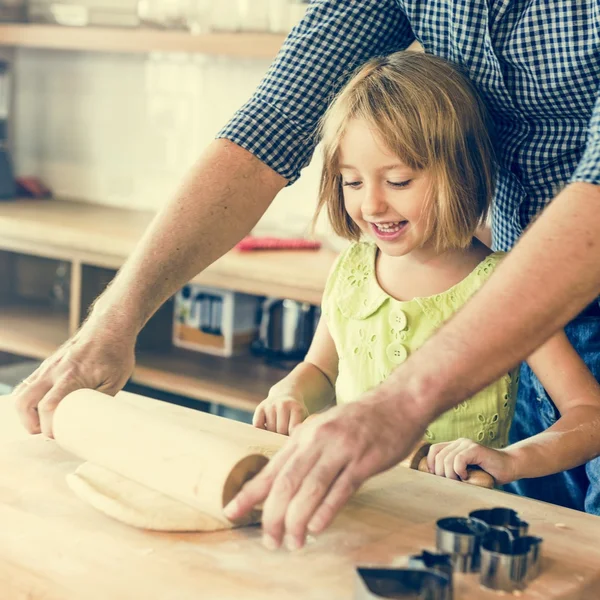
(54, 547)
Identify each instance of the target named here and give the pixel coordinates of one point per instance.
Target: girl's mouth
(388, 231)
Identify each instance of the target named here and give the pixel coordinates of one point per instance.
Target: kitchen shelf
(92, 236)
(100, 39)
(32, 330)
(104, 236)
(239, 382)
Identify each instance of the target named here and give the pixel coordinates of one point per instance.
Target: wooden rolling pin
(196, 458)
(417, 460)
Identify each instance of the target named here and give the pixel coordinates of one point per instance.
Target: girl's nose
(373, 202)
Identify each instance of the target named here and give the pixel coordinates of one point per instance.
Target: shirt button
(397, 353)
(398, 319)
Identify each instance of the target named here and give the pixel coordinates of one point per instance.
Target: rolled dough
(157, 466)
(135, 504)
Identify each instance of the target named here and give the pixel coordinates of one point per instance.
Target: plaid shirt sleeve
(278, 123)
(588, 169)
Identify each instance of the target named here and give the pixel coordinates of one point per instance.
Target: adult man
(536, 64)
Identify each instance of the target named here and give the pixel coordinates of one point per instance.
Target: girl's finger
(439, 468)
(433, 452)
(271, 418)
(296, 418)
(258, 420)
(283, 419)
(449, 471)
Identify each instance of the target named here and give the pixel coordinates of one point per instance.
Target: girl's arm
(308, 389)
(573, 440)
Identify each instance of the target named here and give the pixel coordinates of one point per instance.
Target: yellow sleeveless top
(373, 333)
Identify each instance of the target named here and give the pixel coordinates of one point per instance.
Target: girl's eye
(351, 184)
(399, 184)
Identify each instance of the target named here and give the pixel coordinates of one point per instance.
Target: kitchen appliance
(7, 179)
(286, 329)
(215, 321)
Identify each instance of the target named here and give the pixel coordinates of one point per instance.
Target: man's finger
(51, 400)
(27, 397)
(287, 482)
(313, 491)
(257, 489)
(340, 492)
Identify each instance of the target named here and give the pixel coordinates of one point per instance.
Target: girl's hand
(281, 414)
(451, 459)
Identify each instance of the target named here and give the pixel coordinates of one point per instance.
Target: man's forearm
(223, 197)
(552, 273)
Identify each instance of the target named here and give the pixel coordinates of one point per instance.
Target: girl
(408, 177)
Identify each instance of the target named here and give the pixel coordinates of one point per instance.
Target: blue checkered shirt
(536, 62)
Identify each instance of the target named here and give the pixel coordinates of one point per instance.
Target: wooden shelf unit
(129, 40)
(96, 240)
(32, 330)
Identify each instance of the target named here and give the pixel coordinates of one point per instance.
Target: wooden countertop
(104, 236)
(54, 547)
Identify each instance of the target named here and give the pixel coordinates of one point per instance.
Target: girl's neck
(424, 272)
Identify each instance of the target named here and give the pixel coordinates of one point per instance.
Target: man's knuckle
(285, 484)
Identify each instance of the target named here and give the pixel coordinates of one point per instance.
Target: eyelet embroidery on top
(488, 427)
(359, 275)
(365, 347)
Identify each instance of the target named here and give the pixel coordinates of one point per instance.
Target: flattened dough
(136, 505)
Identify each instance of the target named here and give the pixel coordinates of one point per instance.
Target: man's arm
(552, 273)
(224, 196)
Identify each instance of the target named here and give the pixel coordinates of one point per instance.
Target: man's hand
(97, 357)
(325, 461)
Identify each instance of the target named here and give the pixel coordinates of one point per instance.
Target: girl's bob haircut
(429, 115)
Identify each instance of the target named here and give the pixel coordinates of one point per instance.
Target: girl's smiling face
(383, 196)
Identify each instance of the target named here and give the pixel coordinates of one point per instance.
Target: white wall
(123, 129)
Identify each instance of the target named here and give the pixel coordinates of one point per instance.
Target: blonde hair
(430, 115)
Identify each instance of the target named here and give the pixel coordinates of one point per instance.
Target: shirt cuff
(271, 137)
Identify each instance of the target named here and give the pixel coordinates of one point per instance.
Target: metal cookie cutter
(461, 538)
(509, 564)
(439, 562)
(502, 518)
(405, 584)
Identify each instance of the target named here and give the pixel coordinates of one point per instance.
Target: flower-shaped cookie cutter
(504, 519)
(461, 538)
(507, 563)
